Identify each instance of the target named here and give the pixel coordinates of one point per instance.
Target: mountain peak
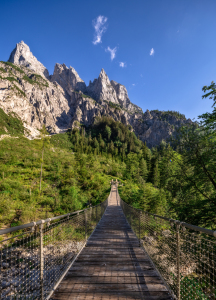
(103, 73)
(68, 78)
(21, 55)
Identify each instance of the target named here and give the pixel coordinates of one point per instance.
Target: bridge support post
(91, 213)
(178, 261)
(41, 262)
(139, 227)
(85, 224)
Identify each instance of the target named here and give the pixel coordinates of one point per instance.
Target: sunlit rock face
(101, 89)
(34, 99)
(68, 79)
(21, 55)
(123, 98)
(62, 101)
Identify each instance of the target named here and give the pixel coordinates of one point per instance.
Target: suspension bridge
(110, 251)
(112, 265)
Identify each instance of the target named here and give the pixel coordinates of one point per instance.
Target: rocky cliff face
(152, 126)
(101, 89)
(22, 55)
(33, 98)
(62, 100)
(68, 79)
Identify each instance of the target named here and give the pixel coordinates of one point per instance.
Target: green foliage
(11, 79)
(168, 113)
(36, 79)
(114, 105)
(26, 78)
(39, 80)
(85, 96)
(2, 70)
(10, 124)
(79, 165)
(70, 181)
(7, 63)
(208, 120)
(19, 90)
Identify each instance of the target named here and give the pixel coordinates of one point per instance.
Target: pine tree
(143, 169)
(156, 175)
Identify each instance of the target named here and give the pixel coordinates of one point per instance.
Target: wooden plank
(124, 260)
(116, 264)
(112, 265)
(69, 286)
(108, 256)
(112, 296)
(118, 273)
(113, 279)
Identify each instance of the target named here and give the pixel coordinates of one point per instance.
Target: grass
(168, 113)
(113, 105)
(10, 124)
(68, 182)
(34, 80)
(2, 70)
(13, 66)
(11, 79)
(39, 77)
(26, 78)
(19, 90)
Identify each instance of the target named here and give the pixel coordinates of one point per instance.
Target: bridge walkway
(112, 265)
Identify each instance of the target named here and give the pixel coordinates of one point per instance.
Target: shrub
(7, 63)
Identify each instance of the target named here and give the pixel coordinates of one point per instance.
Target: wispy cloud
(133, 84)
(100, 27)
(141, 75)
(112, 52)
(152, 51)
(122, 64)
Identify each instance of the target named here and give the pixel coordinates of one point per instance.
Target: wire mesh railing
(183, 254)
(36, 256)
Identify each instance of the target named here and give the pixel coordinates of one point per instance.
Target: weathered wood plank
(112, 296)
(113, 279)
(68, 286)
(112, 265)
(98, 272)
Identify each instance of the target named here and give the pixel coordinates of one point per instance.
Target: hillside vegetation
(178, 182)
(10, 124)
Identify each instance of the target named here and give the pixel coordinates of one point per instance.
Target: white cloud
(100, 27)
(133, 84)
(112, 52)
(122, 64)
(152, 51)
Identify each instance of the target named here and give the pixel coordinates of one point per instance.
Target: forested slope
(77, 167)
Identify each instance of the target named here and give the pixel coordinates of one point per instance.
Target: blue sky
(180, 35)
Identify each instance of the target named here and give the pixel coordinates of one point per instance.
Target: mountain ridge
(63, 101)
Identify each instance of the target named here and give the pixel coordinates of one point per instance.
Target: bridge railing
(183, 254)
(36, 256)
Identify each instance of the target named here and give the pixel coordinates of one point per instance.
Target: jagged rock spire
(21, 55)
(68, 78)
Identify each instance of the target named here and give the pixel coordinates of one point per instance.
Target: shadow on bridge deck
(112, 265)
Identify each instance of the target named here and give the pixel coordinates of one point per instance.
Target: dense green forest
(177, 179)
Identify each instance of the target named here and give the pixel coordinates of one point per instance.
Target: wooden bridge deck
(112, 265)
